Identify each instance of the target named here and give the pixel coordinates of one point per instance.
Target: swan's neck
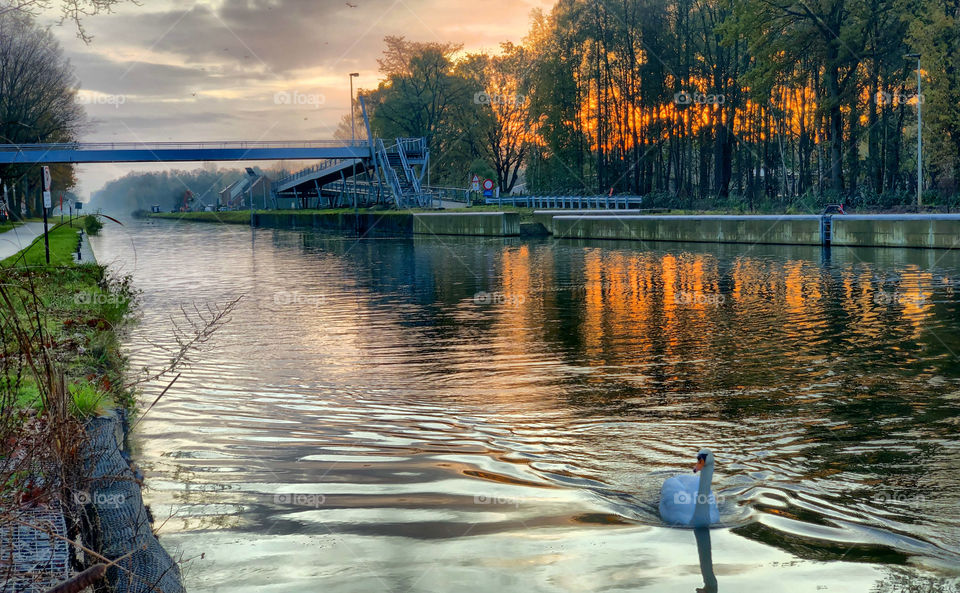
(706, 476)
(701, 513)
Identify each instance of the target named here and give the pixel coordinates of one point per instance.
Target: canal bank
(932, 231)
(71, 506)
(367, 223)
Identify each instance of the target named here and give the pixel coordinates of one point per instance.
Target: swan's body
(687, 499)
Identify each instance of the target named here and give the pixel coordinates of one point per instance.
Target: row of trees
(37, 104)
(38, 92)
(693, 101)
(140, 190)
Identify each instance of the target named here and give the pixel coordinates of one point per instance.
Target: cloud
(209, 70)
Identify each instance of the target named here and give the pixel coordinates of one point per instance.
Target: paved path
(86, 251)
(18, 238)
(451, 205)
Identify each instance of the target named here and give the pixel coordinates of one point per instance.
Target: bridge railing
(324, 164)
(600, 202)
(449, 194)
(412, 146)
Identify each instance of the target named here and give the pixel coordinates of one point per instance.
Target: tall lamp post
(353, 139)
(919, 133)
(353, 133)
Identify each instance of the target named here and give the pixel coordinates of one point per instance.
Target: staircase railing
(390, 173)
(413, 146)
(408, 171)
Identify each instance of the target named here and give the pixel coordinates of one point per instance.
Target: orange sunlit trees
(774, 101)
(777, 104)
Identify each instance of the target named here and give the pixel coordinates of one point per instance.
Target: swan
(687, 500)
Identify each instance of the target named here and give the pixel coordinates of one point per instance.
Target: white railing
(601, 202)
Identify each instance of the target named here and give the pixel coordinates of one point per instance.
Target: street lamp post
(353, 133)
(919, 134)
(353, 140)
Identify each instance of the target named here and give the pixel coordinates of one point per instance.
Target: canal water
(480, 415)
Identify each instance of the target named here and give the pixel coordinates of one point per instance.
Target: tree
(422, 96)
(74, 11)
(501, 126)
(936, 35)
(37, 96)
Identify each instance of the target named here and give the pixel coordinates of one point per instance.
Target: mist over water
(498, 415)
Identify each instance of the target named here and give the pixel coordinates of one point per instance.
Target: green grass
(25, 392)
(232, 217)
(87, 401)
(80, 311)
(77, 308)
(63, 243)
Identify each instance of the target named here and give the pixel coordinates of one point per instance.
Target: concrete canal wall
(364, 223)
(897, 230)
(486, 224)
(940, 231)
(382, 224)
(788, 229)
(545, 217)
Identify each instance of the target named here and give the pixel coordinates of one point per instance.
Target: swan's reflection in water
(706, 560)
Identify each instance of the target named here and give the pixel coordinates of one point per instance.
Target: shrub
(92, 225)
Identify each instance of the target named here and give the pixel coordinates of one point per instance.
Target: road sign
(488, 188)
(475, 182)
(47, 203)
(47, 197)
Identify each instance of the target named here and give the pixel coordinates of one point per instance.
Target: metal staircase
(397, 163)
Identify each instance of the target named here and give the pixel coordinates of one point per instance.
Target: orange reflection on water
(669, 309)
(915, 300)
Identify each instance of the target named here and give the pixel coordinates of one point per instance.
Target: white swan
(687, 499)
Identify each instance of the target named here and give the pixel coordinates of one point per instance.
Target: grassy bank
(59, 331)
(60, 364)
(63, 244)
(234, 217)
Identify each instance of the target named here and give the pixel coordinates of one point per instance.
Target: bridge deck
(307, 180)
(148, 152)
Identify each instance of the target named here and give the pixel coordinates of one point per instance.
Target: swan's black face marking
(701, 461)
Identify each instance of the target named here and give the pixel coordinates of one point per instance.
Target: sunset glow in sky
(175, 70)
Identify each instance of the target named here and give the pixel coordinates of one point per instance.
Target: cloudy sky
(175, 70)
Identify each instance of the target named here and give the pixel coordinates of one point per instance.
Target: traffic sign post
(475, 182)
(488, 188)
(47, 203)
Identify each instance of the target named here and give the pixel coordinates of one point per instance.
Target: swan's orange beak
(699, 465)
